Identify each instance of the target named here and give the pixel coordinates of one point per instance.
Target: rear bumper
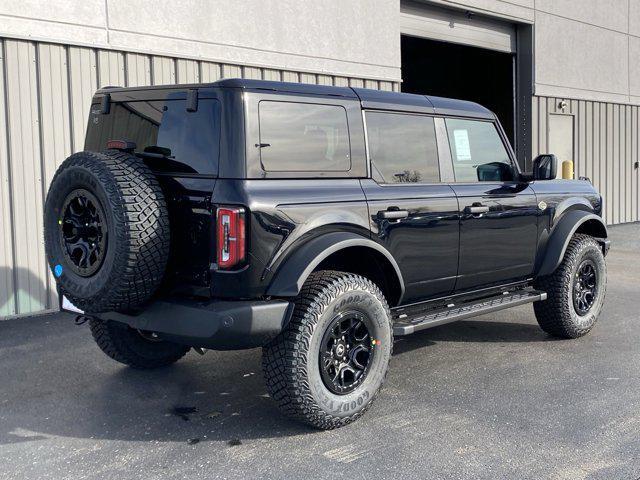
(220, 325)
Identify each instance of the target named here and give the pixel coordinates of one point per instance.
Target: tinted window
(303, 137)
(478, 152)
(181, 141)
(402, 148)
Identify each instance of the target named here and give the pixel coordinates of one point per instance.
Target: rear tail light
(230, 236)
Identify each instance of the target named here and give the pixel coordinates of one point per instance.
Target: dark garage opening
(458, 71)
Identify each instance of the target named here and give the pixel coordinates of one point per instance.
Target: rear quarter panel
(283, 214)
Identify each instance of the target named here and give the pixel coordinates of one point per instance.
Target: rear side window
(402, 148)
(477, 151)
(303, 137)
(178, 141)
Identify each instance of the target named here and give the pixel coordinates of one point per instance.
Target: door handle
(392, 214)
(476, 209)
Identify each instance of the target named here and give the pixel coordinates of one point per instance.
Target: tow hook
(80, 319)
(199, 350)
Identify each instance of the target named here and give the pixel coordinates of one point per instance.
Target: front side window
(402, 148)
(303, 137)
(477, 152)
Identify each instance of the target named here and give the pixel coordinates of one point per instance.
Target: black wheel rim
(346, 352)
(83, 232)
(585, 287)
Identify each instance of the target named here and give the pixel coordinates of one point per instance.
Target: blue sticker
(57, 270)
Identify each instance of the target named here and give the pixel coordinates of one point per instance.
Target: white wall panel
(7, 286)
(138, 70)
(210, 72)
(163, 71)
(26, 176)
(55, 125)
(82, 84)
(188, 71)
(110, 68)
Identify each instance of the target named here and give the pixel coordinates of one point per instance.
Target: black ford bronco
(315, 222)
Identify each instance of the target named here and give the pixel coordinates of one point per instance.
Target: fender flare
(561, 236)
(290, 277)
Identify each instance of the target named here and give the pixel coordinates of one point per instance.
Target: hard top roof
(374, 99)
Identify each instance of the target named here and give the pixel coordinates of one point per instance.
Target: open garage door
(452, 53)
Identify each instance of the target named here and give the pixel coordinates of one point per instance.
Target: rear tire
(106, 229)
(575, 291)
(133, 348)
(327, 366)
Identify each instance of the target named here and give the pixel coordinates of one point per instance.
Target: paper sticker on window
(463, 150)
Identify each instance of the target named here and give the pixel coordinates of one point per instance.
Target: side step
(413, 321)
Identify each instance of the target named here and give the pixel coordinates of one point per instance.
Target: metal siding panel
(252, 72)
(209, 72)
(308, 78)
(616, 163)
(231, 71)
(628, 165)
(138, 70)
(163, 71)
(55, 128)
(188, 71)
(271, 74)
(578, 148)
(82, 85)
(341, 82)
(372, 84)
(634, 159)
(7, 287)
(290, 76)
(26, 175)
(325, 80)
(588, 160)
(110, 68)
(535, 125)
(602, 163)
(595, 156)
(609, 162)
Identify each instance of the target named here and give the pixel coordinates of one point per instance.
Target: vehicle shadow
(56, 382)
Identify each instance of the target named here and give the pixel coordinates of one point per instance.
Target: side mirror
(545, 167)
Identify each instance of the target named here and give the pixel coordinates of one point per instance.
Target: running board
(414, 321)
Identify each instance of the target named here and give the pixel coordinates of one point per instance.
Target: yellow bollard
(567, 169)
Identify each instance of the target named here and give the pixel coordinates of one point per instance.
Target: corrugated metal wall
(45, 93)
(605, 146)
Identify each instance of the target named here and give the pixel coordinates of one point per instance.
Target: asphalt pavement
(489, 398)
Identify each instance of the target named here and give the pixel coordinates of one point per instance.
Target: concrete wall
(583, 49)
(355, 38)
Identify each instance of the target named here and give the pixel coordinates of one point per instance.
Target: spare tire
(106, 228)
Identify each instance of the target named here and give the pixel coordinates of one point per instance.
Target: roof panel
(369, 98)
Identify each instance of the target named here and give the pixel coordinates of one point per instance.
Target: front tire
(134, 348)
(328, 364)
(575, 291)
